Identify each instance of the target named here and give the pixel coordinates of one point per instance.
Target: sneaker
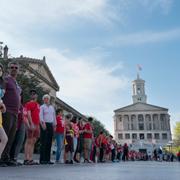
(86, 161)
(66, 162)
(17, 163)
(3, 164)
(76, 161)
(43, 162)
(50, 162)
(71, 162)
(11, 163)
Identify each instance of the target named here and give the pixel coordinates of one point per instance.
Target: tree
(177, 134)
(26, 81)
(98, 127)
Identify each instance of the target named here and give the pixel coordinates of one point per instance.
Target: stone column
(137, 126)
(144, 117)
(158, 123)
(152, 121)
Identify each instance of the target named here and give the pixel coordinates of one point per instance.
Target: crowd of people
(29, 121)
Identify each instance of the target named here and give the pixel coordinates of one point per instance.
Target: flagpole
(139, 68)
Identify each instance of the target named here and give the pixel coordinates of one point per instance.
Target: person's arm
(3, 107)
(31, 125)
(43, 124)
(54, 117)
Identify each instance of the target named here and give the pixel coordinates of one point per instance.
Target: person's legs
(49, 141)
(31, 149)
(113, 155)
(59, 144)
(57, 137)
(21, 137)
(9, 124)
(18, 142)
(42, 146)
(85, 149)
(101, 154)
(75, 141)
(3, 139)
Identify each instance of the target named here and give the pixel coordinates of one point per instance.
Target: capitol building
(142, 126)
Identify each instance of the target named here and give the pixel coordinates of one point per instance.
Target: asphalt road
(106, 171)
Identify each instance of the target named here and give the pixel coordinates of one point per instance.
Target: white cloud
(146, 37)
(29, 12)
(88, 86)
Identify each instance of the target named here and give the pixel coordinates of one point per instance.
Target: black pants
(9, 125)
(101, 154)
(113, 152)
(46, 143)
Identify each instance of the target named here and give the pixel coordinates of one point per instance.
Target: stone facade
(39, 68)
(141, 125)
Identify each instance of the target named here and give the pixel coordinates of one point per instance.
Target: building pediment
(40, 69)
(140, 107)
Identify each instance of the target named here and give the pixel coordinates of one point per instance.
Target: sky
(93, 47)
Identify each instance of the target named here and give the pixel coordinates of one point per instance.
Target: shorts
(87, 144)
(33, 133)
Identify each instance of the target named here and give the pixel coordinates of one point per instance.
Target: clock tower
(139, 90)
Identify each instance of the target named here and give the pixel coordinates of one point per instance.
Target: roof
(69, 108)
(140, 107)
(25, 60)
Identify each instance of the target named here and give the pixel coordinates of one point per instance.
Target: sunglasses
(14, 67)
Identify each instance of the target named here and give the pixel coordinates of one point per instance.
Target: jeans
(59, 144)
(75, 141)
(18, 142)
(9, 124)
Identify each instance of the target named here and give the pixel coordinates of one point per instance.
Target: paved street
(107, 171)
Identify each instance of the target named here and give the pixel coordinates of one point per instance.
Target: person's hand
(43, 125)
(54, 128)
(2, 107)
(32, 126)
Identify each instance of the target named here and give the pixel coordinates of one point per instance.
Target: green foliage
(98, 127)
(26, 82)
(177, 134)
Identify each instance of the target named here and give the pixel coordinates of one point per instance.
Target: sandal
(31, 162)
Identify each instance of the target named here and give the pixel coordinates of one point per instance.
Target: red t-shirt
(60, 125)
(76, 130)
(88, 127)
(35, 110)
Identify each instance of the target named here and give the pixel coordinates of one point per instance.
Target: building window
(129, 126)
(133, 124)
(127, 136)
(141, 122)
(156, 135)
(134, 136)
(141, 136)
(149, 136)
(120, 119)
(139, 90)
(148, 122)
(155, 122)
(120, 136)
(164, 136)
